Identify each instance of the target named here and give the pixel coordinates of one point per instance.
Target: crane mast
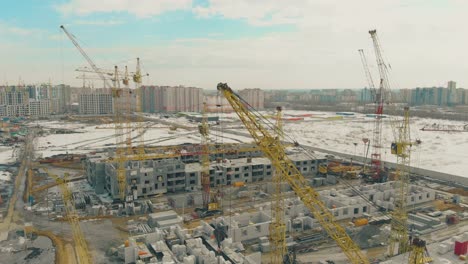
(399, 237)
(137, 78)
(205, 159)
(379, 98)
(399, 241)
(116, 93)
(119, 136)
(277, 227)
(276, 152)
(128, 110)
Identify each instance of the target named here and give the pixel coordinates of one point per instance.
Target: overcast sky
(271, 44)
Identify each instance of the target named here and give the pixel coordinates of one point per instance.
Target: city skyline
(268, 44)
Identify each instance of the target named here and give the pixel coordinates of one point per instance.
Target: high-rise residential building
(463, 96)
(460, 96)
(452, 93)
(218, 104)
(14, 101)
(39, 108)
(425, 96)
(13, 96)
(365, 95)
(451, 85)
(96, 103)
(407, 96)
(157, 99)
(60, 98)
(254, 97)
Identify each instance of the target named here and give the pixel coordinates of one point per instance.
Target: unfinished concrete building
(347, 203)
(173, 244)
(151, 177)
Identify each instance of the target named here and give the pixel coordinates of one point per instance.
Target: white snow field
(440, 151)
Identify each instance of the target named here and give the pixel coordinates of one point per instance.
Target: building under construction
(183, 173)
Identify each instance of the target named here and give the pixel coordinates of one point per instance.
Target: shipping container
(461, 248)
(361, 222)
(239, 184)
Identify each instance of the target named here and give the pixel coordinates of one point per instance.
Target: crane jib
(281, 162)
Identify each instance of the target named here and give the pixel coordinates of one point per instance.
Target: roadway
(16, 204)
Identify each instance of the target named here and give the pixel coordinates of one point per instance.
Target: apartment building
(217, 104)
(96, 104)
(14, 101)
(254, 97)
(170, 99)
(39, 108)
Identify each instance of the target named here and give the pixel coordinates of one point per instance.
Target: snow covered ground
(440, 151)
(7, 155)
(90, 138)
(5, 176)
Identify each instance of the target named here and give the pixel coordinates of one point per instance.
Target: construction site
(239, 186)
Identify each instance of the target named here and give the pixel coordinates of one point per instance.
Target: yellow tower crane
(285, 166)
(137, 78)
(81, 247)
(210, 201)
(419, 253)
(401, 147)
(128, 111)
(87, 58)
(117, 95)
(399, 237)
(277, 226)
(205, 160)
(119, 123)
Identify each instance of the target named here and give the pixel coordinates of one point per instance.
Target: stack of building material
(202, 253)
(318, 182)
(164, 219)
(180, 251)
(190, 259)
(443, 248)
(423, 224)
(331, 179)
(264, 244)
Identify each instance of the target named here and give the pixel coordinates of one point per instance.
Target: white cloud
(8, 29)
(110, 22)
(139, 8)
(56, 37)
(423, 41)
(256, 12)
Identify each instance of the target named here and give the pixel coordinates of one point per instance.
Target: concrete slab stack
(164, 219)
(423, 224)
